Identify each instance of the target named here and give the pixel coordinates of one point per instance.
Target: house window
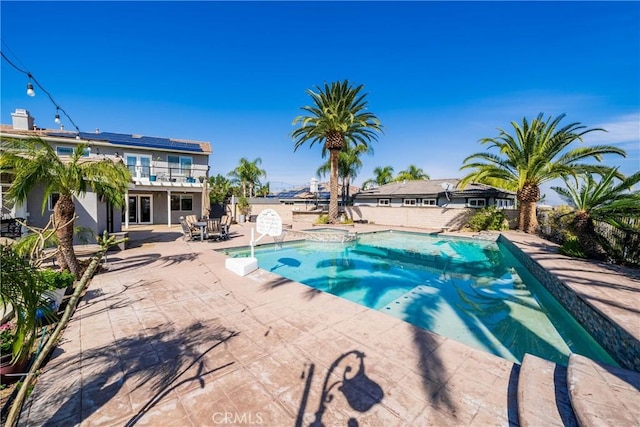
(504, 203)
(53, 199)
(477, 203)
(180, 165)
(429, 202)
(139, 165)
(68, 151)
(384, 202)
(409, 202)
(182, 202)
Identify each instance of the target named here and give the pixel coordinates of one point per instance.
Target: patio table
(203, 227)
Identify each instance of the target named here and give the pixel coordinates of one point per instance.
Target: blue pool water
(472, 291)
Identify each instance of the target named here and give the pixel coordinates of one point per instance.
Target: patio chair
(214, 229)
(225, 225)
(191, 219)
(189, 232)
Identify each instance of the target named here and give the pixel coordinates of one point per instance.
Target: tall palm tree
(609, 200)
(538, 153)
(349, 164)
(248, 174)
(338, 117)
(382, 175)
(33, 162)
(412, 173)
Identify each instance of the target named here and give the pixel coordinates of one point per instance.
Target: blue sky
(439, 75)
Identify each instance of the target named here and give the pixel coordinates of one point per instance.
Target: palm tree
(537, 154)
(247, 174)
(610, 201)
(263, 190)
(349, 164)
(338, 117)
(382, 176)
(33, 162)
(412, 173)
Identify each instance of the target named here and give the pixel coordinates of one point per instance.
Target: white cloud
(620, 130)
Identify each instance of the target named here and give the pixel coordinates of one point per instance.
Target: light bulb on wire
(57, 119)
(30, 90)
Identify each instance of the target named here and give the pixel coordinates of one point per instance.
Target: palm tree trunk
(333, 186)
(528, 197)
(347, 181)
(63, 212)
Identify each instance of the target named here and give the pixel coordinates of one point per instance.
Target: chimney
(22, 120)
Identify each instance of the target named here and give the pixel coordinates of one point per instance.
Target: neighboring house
(302, 196)
(168, 177)
(436, 193)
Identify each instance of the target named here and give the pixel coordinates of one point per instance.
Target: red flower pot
(7, 369)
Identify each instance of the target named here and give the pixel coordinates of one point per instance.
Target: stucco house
(168, 177)
(435, 193)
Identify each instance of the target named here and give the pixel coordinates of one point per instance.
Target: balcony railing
(155, 173)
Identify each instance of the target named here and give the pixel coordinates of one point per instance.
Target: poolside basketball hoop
(268, 223)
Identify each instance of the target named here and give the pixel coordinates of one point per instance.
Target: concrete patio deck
(167, 337)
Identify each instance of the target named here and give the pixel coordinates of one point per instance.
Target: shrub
(572, 247)
(557, 225)
(322, 219)
(489, 218)
(51, 279)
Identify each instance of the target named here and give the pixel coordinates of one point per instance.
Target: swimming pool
(473, 291)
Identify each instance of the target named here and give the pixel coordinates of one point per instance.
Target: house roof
(304, 193)
(431, 187)
(134, 140)
(120, 139)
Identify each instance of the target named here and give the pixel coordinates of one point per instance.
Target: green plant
(244, 206)
(338, 118)
(35, 162)
(7, 337)
(572, 247)
(489, 218)
(538, 151)
(52, 279)
(322, 219)
(22, 291)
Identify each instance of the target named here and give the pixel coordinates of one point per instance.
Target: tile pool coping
(612, 321)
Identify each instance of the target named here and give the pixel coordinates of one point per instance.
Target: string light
(31, 92)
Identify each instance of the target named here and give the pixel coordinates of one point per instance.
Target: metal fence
(624, 244)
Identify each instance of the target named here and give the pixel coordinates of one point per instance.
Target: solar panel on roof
(137, 141)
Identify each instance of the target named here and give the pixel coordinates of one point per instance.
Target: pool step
(602, 394)
(543, 398)
(586, 393)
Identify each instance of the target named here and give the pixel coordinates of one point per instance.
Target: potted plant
(10, 365)
(153, 173)
(22, 294)
(54, 286)
(244, 207)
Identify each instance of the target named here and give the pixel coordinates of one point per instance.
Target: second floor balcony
(162, 172)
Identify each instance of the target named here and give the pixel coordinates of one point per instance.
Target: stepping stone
(603, 394)
(543, 398)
